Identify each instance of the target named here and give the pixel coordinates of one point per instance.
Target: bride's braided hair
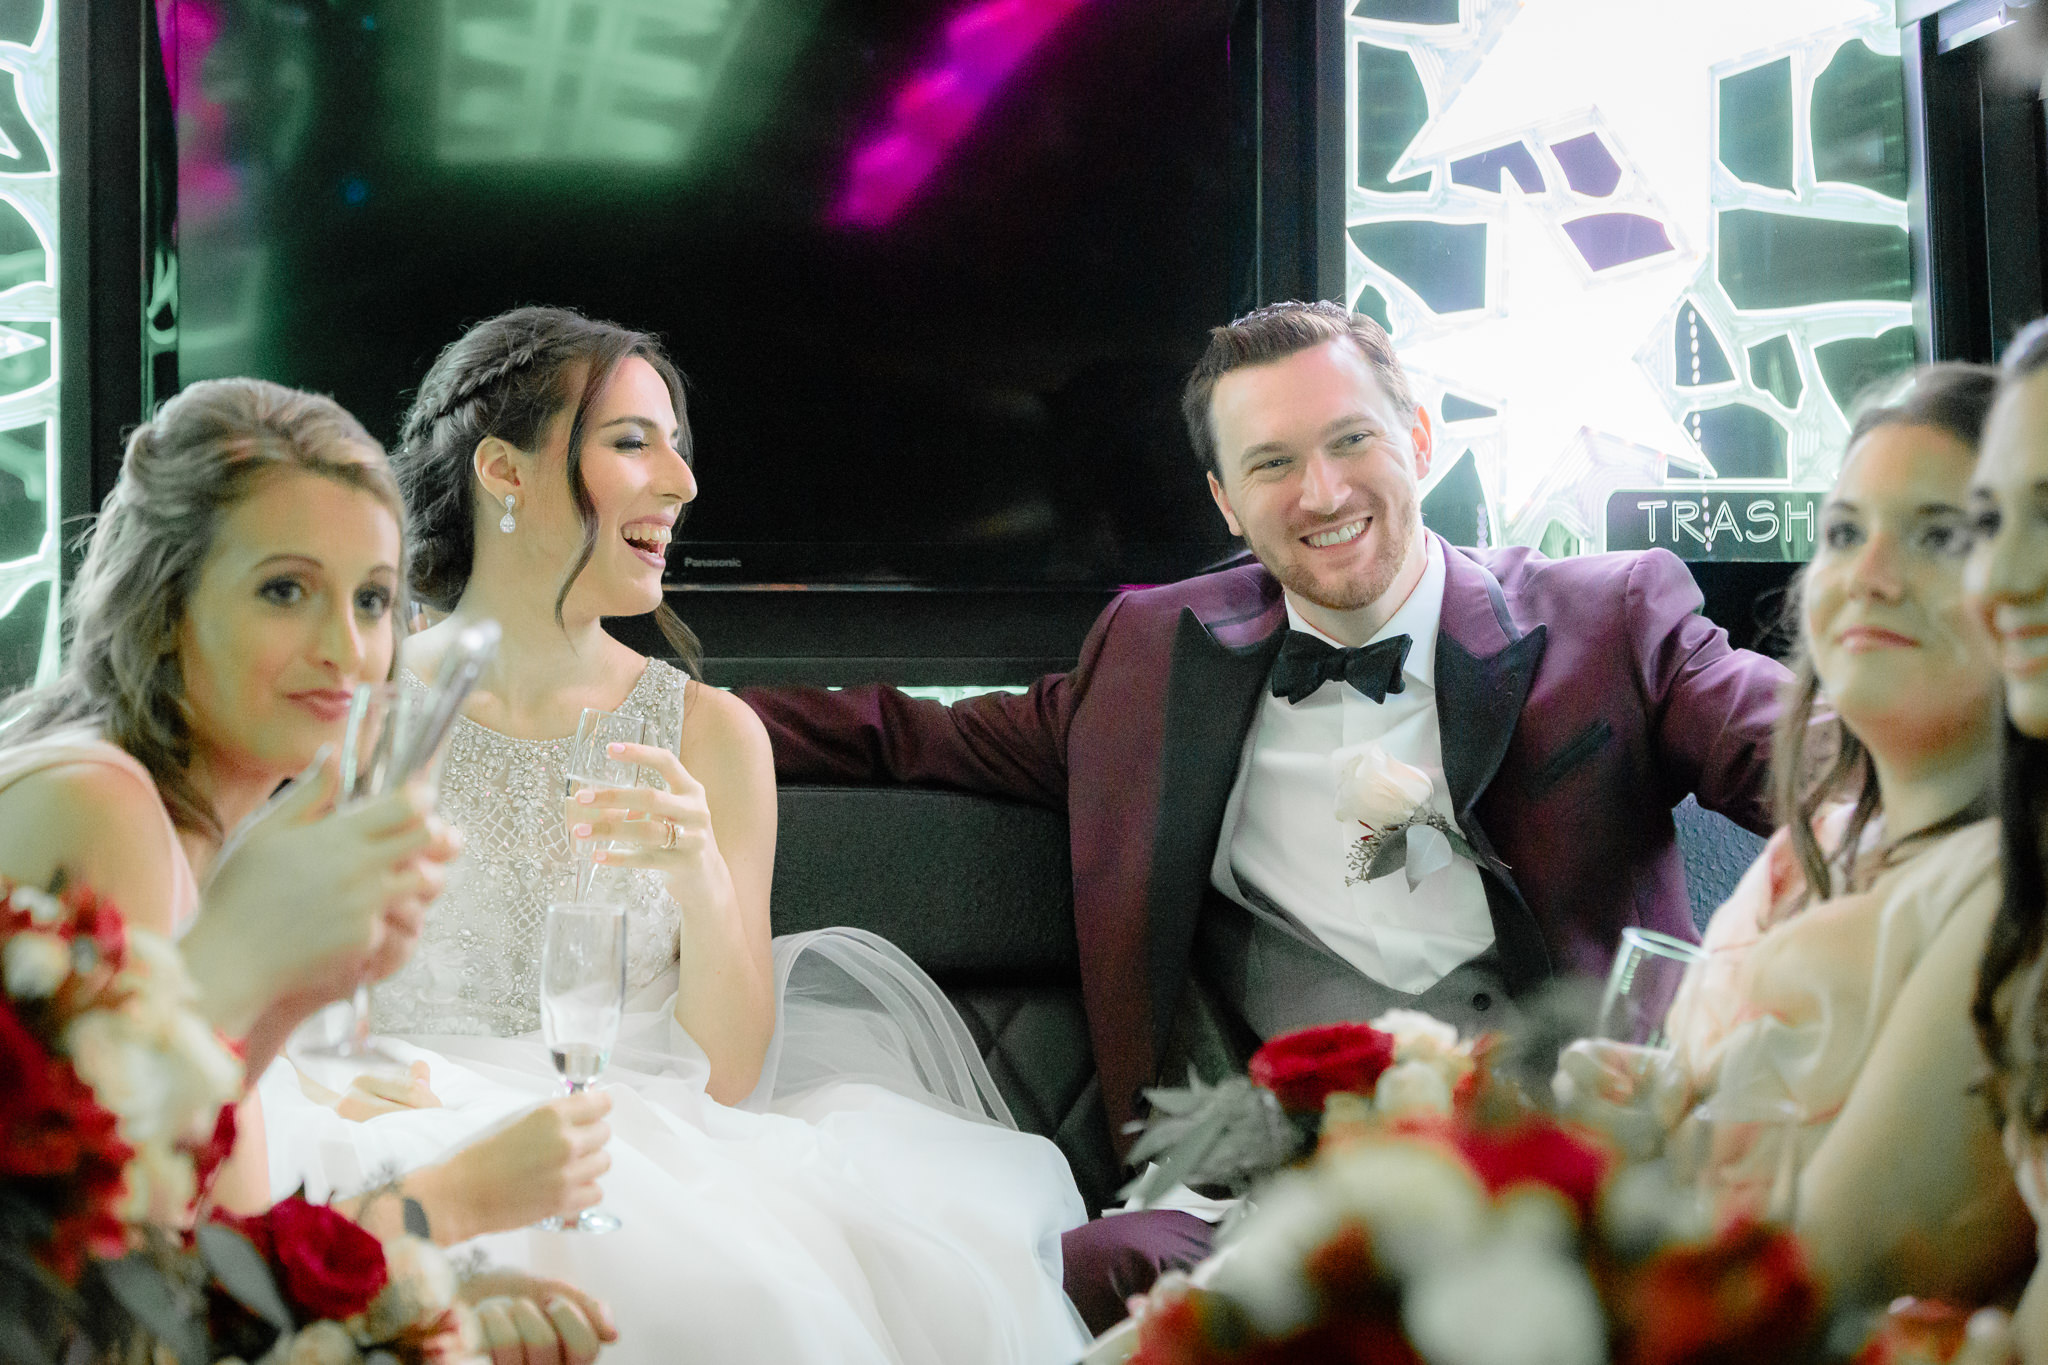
(509, 377)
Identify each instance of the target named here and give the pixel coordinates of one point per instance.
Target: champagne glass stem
(359, 1027)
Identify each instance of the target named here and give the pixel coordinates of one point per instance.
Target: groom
(1559, 709)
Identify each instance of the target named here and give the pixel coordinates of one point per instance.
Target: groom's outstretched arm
(1001, 744)
(1711, 706)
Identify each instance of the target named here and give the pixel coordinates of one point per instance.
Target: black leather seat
(979, 892)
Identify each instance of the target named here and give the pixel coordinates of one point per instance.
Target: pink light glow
(207, 182)
(934, 109)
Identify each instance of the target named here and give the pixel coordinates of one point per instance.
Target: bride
(810, 1161)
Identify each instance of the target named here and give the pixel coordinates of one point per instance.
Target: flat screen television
(935, 269)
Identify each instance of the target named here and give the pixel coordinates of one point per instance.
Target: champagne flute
(379, 750)
(591, 764)
(1740, 1153)
(1641, 985)
(582, 1001)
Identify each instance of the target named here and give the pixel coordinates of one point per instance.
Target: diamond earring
(505, 523)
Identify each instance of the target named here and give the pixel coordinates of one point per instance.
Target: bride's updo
(509, 377)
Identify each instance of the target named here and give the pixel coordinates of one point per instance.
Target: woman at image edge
(2008, 582)
(242, 577)
(810, 1162)
(1837, 975)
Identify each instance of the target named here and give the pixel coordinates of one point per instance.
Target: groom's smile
(1319, 470)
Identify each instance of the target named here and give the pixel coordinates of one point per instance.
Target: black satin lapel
(1212, 693)
(1478, 701)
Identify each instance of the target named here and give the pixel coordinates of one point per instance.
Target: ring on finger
(669, 840)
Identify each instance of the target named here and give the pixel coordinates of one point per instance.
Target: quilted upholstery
(980, 893)
(1717, 852)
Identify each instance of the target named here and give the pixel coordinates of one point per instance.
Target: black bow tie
(1306, 663)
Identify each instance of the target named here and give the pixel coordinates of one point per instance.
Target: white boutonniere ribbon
(1390, 799)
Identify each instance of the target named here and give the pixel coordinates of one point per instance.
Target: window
(30, 516)
(1639, 259)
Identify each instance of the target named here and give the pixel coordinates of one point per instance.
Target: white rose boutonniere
(1391, 800)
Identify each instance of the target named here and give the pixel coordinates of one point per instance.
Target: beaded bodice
(477, 967)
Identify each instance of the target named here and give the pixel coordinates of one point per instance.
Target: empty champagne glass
(591, 764)
(582, 1000)
(379, 749)
(1741, 1156)
(1640, 987)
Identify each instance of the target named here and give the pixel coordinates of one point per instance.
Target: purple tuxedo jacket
(1579, 700)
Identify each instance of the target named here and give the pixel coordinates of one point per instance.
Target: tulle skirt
(870, 1202)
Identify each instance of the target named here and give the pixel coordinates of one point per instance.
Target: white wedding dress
(872, 1201)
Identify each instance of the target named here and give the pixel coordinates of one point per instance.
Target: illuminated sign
(31, 515)
(1682, 264)
(1720, 522)
(626, 82)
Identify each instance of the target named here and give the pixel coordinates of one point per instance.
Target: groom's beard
(1388, 550)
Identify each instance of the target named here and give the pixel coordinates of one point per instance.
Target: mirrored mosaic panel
(31, 516)
(1640, 261)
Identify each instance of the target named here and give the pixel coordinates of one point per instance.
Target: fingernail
(581, 831)
(615, 748)
(586, 796)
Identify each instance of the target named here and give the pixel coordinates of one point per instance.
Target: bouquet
(1403, 1063)
(1478, 1239)
(116, 1108)
(113, 1091)
(1410, 1204)
(303, 1285)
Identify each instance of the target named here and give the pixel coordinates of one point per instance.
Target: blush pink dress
(84, 745)
(1790, 997)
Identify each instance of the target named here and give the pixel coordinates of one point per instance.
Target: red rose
(1536, 1151)
(97, 920)
(329, 1267)
(50, 1121)
(1746, 1296)
(1302, 1069)
(1916, 1329)
(207, 1157)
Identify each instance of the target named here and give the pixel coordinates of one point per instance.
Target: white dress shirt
(1280, 831)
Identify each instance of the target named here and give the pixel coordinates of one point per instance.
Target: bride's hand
(370, 1095)
(543, 1165)
(667, 831)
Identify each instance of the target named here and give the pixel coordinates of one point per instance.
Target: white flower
(1422, 1204)
(1418, 1037)
(1510, 1302)
(1376, 789)
(162, 1186)
(36, 965)
(322, 1343)
(126, 1076)
(1412, 1088)
(215, 1073)
(42, 908)
(1261, 1269)
(422, 1286)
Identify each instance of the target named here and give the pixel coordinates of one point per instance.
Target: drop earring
(505, 523)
